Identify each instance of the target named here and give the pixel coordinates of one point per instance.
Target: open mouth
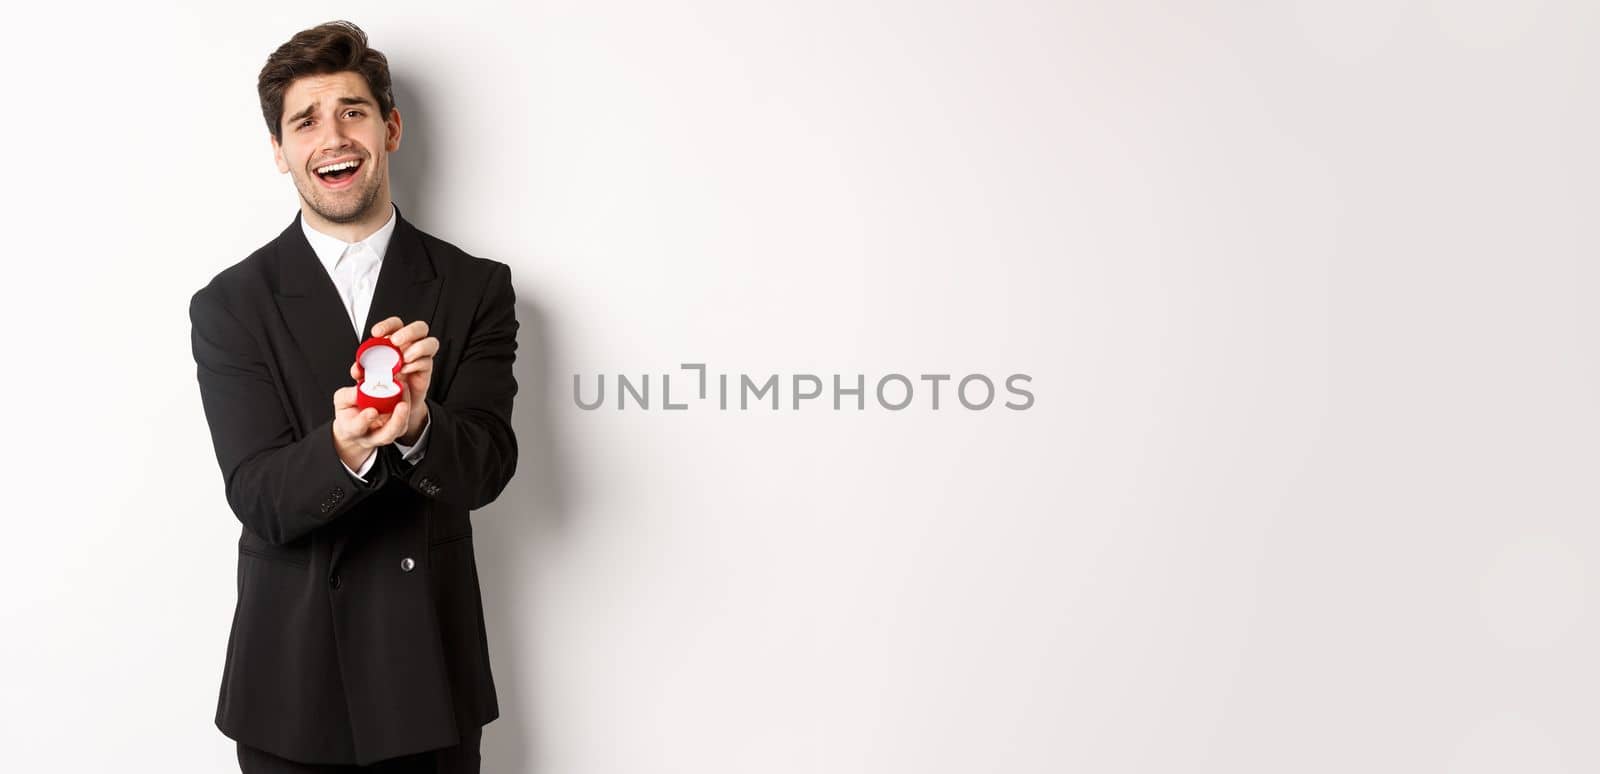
(339, 173)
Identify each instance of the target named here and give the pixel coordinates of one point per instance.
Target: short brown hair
(334, 47)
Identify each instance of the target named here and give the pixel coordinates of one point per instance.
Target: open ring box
(379, 362)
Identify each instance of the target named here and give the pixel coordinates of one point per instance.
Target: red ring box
(378, 358)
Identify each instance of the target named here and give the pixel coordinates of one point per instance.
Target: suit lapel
(408, 288)
(314, 313)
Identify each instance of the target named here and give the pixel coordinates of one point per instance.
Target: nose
(333, 139)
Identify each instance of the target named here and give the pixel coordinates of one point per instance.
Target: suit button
(406, 564)
(333, 581)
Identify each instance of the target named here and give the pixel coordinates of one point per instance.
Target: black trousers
(460, 759)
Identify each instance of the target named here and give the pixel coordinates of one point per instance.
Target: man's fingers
(355, 371)
(350, 423)
(408, 334)
(425, 348)
(425, 364)
(387, 326)
(392, 429)
(361, 422)
(379, 429)
(344, 397)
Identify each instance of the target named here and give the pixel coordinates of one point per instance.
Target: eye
(304, 124)
(352, 110)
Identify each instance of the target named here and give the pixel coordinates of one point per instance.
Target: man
(358, 641)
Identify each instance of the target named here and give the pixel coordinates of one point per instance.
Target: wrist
(421, 420)
(355, 460)
(353, 455)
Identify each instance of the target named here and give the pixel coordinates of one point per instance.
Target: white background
(1304, 288)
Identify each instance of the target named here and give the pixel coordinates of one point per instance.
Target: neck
(355, 230)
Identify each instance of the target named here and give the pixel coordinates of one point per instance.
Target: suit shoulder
(452, 259)
(234, 286)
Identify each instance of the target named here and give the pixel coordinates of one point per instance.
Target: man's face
(327, 120)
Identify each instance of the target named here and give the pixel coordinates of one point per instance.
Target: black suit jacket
(338, 654)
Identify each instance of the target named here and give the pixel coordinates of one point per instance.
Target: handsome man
(358, 640)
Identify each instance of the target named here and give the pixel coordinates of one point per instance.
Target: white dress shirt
(353, 267)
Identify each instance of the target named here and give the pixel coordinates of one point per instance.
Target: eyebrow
(312, 108)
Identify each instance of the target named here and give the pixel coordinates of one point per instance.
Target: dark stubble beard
(364, 202)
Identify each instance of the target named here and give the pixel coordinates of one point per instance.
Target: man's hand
(356, 432)
(417, 350)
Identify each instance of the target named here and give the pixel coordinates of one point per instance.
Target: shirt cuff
(413, 454)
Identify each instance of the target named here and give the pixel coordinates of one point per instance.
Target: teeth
(336, 167)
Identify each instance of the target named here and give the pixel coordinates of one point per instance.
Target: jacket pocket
(295, 556)
(453, 538)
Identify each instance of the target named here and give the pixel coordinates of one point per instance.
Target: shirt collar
(330, 248)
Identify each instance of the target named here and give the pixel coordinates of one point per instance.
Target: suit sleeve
(281, 487)
(472, 450)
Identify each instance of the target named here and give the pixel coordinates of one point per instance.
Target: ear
(392, 135)
(277, 154)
